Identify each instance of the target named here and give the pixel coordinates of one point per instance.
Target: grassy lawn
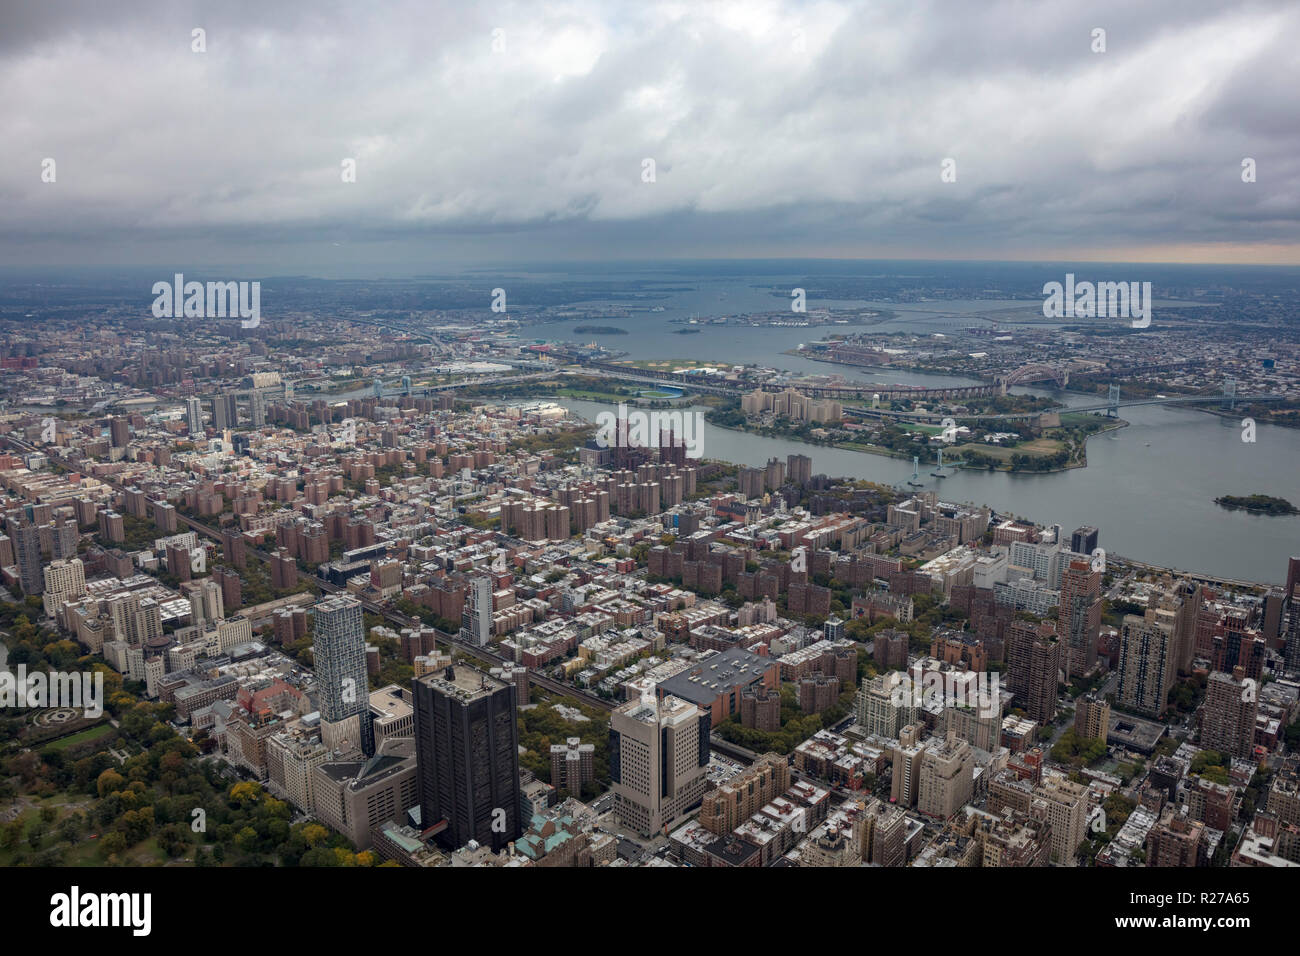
(873, 449)
(90, 733)
(591, 395)
(1039, 446)
(1079, 418)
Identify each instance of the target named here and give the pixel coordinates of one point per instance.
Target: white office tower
(194, 415)
(476, 618)
(659, 758)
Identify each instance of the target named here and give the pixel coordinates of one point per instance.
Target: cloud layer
(492, 132)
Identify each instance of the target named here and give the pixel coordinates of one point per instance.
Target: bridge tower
(406, 385)
(379, 388)
(916, 467)
(1112, 401)
(1230, 393)
(938, 471)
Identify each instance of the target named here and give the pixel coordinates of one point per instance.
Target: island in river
(1257, 504)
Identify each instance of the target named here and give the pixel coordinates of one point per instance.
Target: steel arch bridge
(1038, 372)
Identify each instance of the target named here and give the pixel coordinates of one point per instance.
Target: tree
(110, 781)
(111, 844)
(314, 834)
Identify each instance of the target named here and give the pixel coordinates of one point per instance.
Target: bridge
(702, 384)
(1036, 372)
(1228, 399)
(381, 390)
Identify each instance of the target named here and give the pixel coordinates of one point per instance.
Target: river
(1148, 488)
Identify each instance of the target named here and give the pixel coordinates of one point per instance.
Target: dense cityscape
(366, 592)
(739, 436)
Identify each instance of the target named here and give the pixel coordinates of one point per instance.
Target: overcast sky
(776, 129)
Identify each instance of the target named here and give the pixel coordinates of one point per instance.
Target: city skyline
(727, 436)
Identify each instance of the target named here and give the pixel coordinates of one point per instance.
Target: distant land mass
(599, 330)
(1257, 504)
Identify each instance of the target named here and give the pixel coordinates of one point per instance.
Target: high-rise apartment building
(735, 800)
(572, 765)
(206, 601)
(881, 711)
(1176, 841)
(906, 772)
(476, 618)
(64, 581)
(136, 620)
(1091, 717)
(119, 431)
(1228, 720)
(194, 415)
(339, 646)
(1183, 601)
(1034, 661)
(27, 552)
(798, 469)
(947, 772)
(1080, 615)
(1146, 665)
(225, 412)
(257, 408)
(1068, 809)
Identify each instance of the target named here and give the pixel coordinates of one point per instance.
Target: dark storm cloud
(776, 129)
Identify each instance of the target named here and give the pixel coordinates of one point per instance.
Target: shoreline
(883, 452)
(920, 370)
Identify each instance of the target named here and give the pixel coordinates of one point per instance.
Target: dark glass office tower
(467, 756)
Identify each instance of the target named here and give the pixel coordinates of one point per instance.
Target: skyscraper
(1080, 615)
(27, 552)
(257, 408)
(1083, 540)
(119, 431)
(339, 646)
(225, 411)
(476, 617)
(1146, 665)
(467, 753)
(658, 758)
(1228, 721)
(1034, 661)
(799, 469)
(194, 415)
